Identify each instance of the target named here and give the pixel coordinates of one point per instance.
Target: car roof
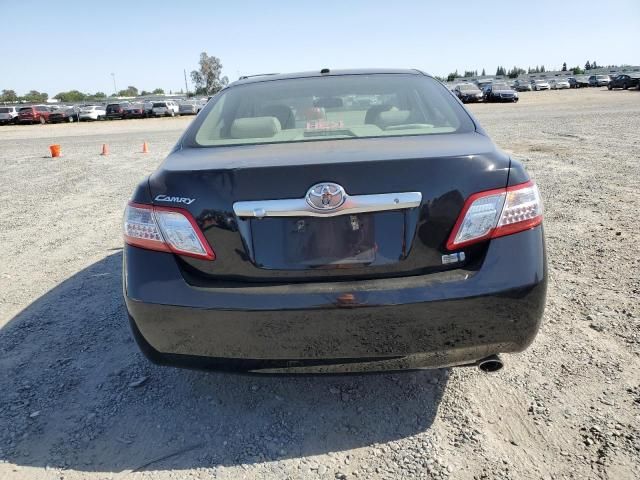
(317, 73)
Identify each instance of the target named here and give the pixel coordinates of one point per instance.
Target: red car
(35, 114)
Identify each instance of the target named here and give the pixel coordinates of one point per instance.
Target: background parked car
(8, 115)
(522, 86)
(540, 84)
(116, 110)
(623, 81)
(559, 83)
(135, 110)
(188, 108)
(34, 114)
(499, 92)
(69, 115)
(148, 108)
(578, 82)
(93, 112)
(599, 80)
(468, 92)
(167, 108)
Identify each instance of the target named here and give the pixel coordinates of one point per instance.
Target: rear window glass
(42, 109)
(161, 104)
(5, 110)
(26, 109)
(334, 107)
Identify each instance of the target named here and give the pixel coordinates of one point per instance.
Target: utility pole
(115, 90)
(186, 86)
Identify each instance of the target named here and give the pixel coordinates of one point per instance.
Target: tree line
(207, 80)
(517, 71)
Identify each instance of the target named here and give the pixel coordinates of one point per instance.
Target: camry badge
(166, 198)
(326, 196)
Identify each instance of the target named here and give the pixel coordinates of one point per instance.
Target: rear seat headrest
(255, 127)
(392, 117)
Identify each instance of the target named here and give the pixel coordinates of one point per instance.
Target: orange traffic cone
(55, 151)
(105, 149)
(145, 148)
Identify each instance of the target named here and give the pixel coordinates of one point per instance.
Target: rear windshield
(159, 104)
(5, 110)
(468, 87)
(334, 107)
(26, 109)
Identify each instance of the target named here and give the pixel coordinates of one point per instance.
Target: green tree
(484, 74)
(587, 66)
(71, 96)
(452, 76)
(208, 78)
(35, 96)
(144, 93)
(8, 96)
(577, 70)
(500, 71)
(564, 67)
(158, 91)
(99, 95)
(130, 91)
(515, 71)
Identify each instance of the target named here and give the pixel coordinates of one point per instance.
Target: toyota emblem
(326, 196)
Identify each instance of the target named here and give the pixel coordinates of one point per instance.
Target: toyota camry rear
(334, 222)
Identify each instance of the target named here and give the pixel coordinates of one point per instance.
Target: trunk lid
(441, 169)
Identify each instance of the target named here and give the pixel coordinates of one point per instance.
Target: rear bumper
(445, 319)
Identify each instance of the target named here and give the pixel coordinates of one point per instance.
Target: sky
(55, 46)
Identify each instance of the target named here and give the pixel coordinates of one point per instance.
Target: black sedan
(623, 81)
(499, 92)
(468, 93)
(290, 230)
(65, 115)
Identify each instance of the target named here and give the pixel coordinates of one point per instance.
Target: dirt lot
(78, 400)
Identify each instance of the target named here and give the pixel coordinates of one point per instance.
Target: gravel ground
(78, 400)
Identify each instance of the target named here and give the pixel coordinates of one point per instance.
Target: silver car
(559, 83)
(188, 108)
(93, 112)
(540, 85)
(8, 115)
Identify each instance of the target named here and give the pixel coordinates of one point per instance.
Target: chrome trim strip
(298, 207)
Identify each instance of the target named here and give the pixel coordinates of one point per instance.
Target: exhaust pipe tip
(491, 364)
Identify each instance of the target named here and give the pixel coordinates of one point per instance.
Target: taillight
(165, 229)
(496, 213)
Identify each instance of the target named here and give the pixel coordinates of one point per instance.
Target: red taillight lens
(496, 213)
(165, 229)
